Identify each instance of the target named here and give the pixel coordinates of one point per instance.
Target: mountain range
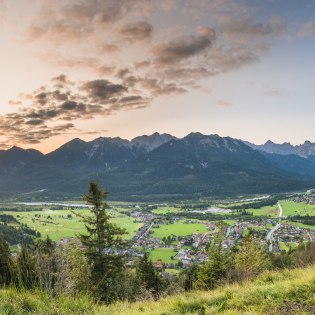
(160, 165)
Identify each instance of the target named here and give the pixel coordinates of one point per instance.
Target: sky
(124, 68)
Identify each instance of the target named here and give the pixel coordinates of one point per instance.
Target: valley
(179, 234)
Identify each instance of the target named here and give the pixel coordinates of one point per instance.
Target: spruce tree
(101, 242)
(5, 261)
(25, 273)
(214, 271)
(148, 276)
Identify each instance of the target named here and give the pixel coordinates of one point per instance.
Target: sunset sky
(91, 68)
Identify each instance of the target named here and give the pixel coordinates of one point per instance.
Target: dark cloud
(182, 48)
(102, 90)
(136, 31)
(48, 110)
(160, 87)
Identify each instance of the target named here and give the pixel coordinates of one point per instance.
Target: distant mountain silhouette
(159, 164)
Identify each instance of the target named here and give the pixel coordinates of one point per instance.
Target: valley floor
(285, 292)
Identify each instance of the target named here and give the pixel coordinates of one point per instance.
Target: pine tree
(148, 276)
(25, 273)
(214, 271)
(5, 261)
(101, 241)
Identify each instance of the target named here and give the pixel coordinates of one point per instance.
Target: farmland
(167, 229)
(179, 228)
(165, 254)
(59, 224)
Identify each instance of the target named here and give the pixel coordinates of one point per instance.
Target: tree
(148, 276)
(5, 261)
(214, 271)
(101, 243)
(250, 260)
(47, 260)
(25, 265)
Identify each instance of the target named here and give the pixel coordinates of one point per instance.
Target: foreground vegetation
(285, 292)
(93, 274)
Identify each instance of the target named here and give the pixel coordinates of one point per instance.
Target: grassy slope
(286, 292)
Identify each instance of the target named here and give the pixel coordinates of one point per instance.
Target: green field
(179, 229)
(230, 222)
(293, 208)
(165, 210)
(305, 226)
(57, 225)
(163, 253)
(271, 211)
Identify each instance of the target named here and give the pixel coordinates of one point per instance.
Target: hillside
(285, 292)
(158, 165)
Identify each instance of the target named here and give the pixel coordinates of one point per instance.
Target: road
(280, 215)
(269, 236)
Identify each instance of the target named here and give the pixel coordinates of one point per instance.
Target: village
(194, 248)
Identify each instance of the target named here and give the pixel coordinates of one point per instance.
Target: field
(163, 253)
(271, 211)
(165, 210)
(179, 228)
(305, 226)
(58, 225)
(293, 208)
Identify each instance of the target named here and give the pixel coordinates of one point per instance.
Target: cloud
(102, 90)
(273, 92)
(108, 48)
(245, 28)
(223, 103)
(308, 29)
(93, 38)
(136, 31)
(2, 12)
(73, 21)
(47, 111)
(182, 47)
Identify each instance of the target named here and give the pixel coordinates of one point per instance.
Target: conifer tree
(5, 260)
(25, 273)
(101, 242)
(214, 271)
(148, 276)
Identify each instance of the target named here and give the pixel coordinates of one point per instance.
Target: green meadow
(58, 225)
(293, 208)
(179, 228)
(165, 254)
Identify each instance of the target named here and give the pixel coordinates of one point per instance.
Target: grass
(293, 208)
(179, 229)
(271, 211)
(165, 210)
(230, 222)
(305, 226)
(57, 225)
(281, 293)
(163, 253)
